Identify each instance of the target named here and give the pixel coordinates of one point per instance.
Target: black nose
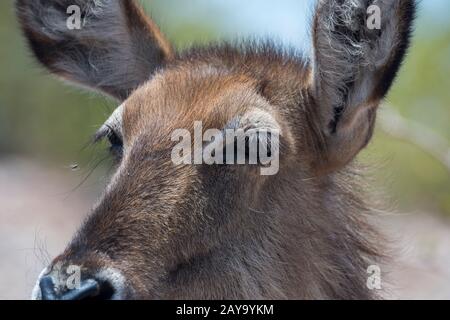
(88, 289)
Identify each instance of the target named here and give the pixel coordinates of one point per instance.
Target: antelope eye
(112, 131)
(116, 143)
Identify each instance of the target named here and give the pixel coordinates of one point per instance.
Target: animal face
(168, 229)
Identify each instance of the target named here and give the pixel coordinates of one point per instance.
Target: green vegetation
(420, 94)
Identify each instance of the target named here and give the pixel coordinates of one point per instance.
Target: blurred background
(50, 175)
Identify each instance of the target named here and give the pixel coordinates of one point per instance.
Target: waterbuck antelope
(180, 231)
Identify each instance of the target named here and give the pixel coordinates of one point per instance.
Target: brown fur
(225, 232)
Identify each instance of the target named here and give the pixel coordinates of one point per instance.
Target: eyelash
(116, 143)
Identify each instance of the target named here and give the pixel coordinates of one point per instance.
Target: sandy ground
(39, 212)
(422, 266)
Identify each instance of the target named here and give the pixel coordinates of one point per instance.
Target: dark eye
(116, 143)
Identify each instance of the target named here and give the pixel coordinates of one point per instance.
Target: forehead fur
(179, 96)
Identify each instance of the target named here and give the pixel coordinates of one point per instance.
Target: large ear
(113, 49)
(359, 46)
